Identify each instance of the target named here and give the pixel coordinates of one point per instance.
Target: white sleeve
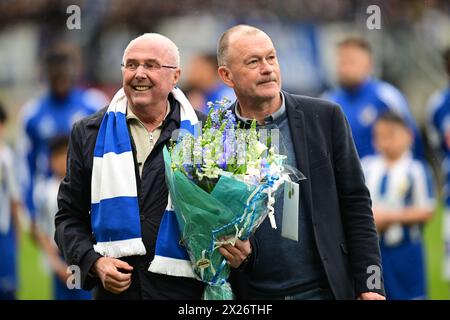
(394, 99)
(423, 187)
(95, 98)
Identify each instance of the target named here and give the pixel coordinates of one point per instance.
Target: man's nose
(141, 72)
(266, 67)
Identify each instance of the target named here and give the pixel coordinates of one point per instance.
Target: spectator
(403, 201)
(52, 114)
(9, 218)
(202, 75)
(364, 98)
(45, 199)
(439, 133)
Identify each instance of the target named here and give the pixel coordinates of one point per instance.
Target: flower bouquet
(222, 186)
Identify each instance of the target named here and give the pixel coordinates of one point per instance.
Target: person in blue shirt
(402, 193)
(363, 98)
(202, 77)
(438, 114)
(52, 114)
(9, 218)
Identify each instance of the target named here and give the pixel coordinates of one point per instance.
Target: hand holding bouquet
(222, 186)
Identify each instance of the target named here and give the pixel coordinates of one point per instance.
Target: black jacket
(335, 194)
(73, 226)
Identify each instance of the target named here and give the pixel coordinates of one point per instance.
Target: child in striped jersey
(45, 198)
(402, 200)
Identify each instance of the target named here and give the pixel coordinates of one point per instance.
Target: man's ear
(176, 77)
(226, 76)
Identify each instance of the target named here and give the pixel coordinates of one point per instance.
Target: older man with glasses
(113, 198)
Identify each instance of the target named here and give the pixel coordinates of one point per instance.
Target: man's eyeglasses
(151, 66)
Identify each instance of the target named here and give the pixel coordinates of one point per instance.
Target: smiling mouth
(141, 88)
(267, 82)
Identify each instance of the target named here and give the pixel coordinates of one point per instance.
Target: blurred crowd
(114, 11)
(51, 76)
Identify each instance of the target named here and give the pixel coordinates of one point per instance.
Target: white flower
(260, 148)
(253, 171)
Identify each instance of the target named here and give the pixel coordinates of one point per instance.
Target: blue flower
(222, 162)
(265, 167)
(188, 170)
(230, 120)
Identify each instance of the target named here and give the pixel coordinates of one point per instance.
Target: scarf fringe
(121, 248)
(172, 267)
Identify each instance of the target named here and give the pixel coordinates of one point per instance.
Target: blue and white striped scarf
(114, 204)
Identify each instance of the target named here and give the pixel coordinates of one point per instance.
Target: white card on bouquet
(289, 227)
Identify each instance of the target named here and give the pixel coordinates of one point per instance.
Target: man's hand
(236, 254)
(371, 296)
(107, 269)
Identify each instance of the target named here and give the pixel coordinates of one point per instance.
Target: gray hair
(156, 37)
(224, 42)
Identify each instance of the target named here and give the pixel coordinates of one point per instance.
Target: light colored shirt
(268, 119)
(144, 140)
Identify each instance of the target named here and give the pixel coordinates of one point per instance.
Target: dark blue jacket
(336, 196)
(73, 222)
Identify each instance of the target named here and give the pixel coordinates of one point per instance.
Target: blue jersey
(408, 183)
(438, 114)
(217, 94)
(363, 105)
(62, 292)
(43, 119)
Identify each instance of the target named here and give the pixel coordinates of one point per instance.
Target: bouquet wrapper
(232, 210)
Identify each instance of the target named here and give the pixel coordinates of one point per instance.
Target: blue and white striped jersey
(408, 183)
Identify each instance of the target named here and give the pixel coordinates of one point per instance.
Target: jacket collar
(96, 119)
(298, 129)
(269, 119)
